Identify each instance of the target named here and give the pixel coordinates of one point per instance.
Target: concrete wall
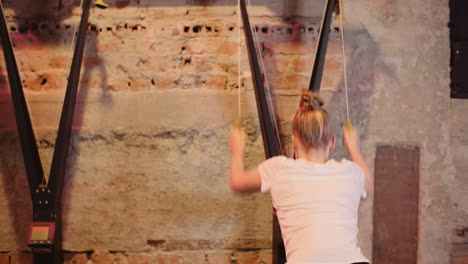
(159, 92)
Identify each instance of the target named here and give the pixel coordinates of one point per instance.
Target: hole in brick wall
(93, 27)
(152, 82)
(67, 26)
(23, 29)
(13, 29)
(186, 29)
(33, 27)
(176, 82)
(289, 31)
(183, 48)
(256, 29)
(135, 27)
(44, 81)
(187, 61)
(336, 29)
(216, 30)
(196, 29)
(265, 29)
(186, 12)
(109, 28)
(231, 28)
(208, 29)
(126, 25)
(128, 84)
(311, 29)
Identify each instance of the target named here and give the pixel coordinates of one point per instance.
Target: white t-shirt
(317, 208)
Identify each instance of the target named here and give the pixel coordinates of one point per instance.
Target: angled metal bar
(321, 50)
(31, 157)
(59, 160)
(62, 143)
(269, 131)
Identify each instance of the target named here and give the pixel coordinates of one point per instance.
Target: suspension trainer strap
(31, 157)
(321, 48)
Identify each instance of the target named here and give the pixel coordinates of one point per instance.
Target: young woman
(316, 199)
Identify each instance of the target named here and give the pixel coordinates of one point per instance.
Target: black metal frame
(319, 60)
(269, 131)
(46, 200)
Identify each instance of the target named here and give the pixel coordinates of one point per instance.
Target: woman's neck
(313, 155)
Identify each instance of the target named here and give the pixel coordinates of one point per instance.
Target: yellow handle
(238, 123)
(101, 4)
(348, 124)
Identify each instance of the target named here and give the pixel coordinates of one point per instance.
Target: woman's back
(317, 208)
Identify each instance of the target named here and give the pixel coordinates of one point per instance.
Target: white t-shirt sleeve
(361, 176)
(268, 170)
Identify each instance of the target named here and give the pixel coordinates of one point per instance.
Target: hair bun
(310, 101)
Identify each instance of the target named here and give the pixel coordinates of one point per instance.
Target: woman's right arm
(351, 137)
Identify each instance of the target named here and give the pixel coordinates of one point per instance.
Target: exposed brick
(291, 82)
(165, 81)
(46, 81)
(217, 82)
(265, 257)
(167, 258)
(120, 258)
(140, 83)
(460, 260)
(229, 48)
(193, 258)
(32, 61)
(21, 258)
(117, 82)
(333, 65)
(77, 258)
(109, 45)
(219, 257)
(140, 259)
(159, 47)
(4, 258)
(27, 43)
(89, 62)
(276, 65)
(60, 62)
(157, 63)
(246, 257)
(288, 47)
(302, 64)
(202, 46)
(102, 258)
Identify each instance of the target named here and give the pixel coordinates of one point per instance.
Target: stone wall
(159, 91)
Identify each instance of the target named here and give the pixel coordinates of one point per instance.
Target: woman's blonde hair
(311, 124)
